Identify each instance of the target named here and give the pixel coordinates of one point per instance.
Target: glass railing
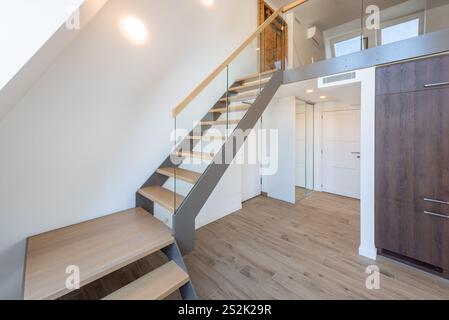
(357, 25)
(206, 119)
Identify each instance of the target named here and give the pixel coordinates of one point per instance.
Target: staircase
(188, 176)
(58, 261)
(100, 247)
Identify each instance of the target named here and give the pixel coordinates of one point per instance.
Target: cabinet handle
(436, 201)
(439, 84)
(436, 214)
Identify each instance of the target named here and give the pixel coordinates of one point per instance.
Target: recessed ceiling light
(323, 97)
(208, 3)
(310, 91)
(134, 29)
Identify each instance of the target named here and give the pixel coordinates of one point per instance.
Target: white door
(341, 153)
(300, 141)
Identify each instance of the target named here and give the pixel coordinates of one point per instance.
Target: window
(349, 46)
(401, 31)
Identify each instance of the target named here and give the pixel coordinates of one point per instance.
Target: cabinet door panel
(412, 163)
(413, 75)
(431, 159)
(395, 127)
(395, 172)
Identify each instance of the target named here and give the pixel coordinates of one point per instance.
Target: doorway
(304, 149)
(354, 98)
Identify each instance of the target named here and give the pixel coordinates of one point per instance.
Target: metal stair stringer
(184, 219)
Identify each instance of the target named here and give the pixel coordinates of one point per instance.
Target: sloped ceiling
(32, 69)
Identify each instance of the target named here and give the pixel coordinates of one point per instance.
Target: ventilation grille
(340, 77)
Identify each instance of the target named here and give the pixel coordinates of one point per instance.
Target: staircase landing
(98, 247)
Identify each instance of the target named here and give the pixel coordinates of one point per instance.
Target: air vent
(340, 77)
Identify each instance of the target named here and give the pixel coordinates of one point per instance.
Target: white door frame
(296, 145)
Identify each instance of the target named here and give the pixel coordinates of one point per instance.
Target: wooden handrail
(292, 5)
(184, 103)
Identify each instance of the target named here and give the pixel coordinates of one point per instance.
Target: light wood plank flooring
(274, 250)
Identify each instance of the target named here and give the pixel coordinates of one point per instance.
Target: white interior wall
(301, 51)
(250, 165)
(367, 247)
(32, 43)
(437, 18)
(280, 116)
(97, 124)
(25, 27)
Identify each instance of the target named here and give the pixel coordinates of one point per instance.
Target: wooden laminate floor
(274, 250)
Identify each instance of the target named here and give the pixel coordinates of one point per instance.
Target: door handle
(436, 201)
(436, 214)
(438, 84)
(355, 152)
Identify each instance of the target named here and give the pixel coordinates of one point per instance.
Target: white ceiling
(349, 94)
(326, 14)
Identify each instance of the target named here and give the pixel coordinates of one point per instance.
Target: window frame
(390, 23)
(346, 37)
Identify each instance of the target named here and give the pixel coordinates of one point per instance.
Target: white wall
(437, 18)
(97, 124)
(367, 166)
(32, 43)
(280, 116)
(250, 166)
(25, 26)
(301, 51)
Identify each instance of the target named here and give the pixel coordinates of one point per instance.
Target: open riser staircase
(198, 179)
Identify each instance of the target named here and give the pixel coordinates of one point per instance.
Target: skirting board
(201, 222)
(370, 253)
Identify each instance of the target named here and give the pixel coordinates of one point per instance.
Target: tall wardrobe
(412, 162)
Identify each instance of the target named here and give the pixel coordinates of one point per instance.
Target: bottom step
(156, 285)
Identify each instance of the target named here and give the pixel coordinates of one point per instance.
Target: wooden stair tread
(252, 84)
(156, 285)
(182, 174)
(196, 154)
(98, 247)
(256, 75)
(241, 107)
(241, 97)
(207, 138)
(162, 196)
(219, 122)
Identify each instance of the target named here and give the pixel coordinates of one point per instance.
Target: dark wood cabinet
(412, 76)
(412, 163)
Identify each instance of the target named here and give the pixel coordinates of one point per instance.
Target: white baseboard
(203, 221)
(370, 253)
